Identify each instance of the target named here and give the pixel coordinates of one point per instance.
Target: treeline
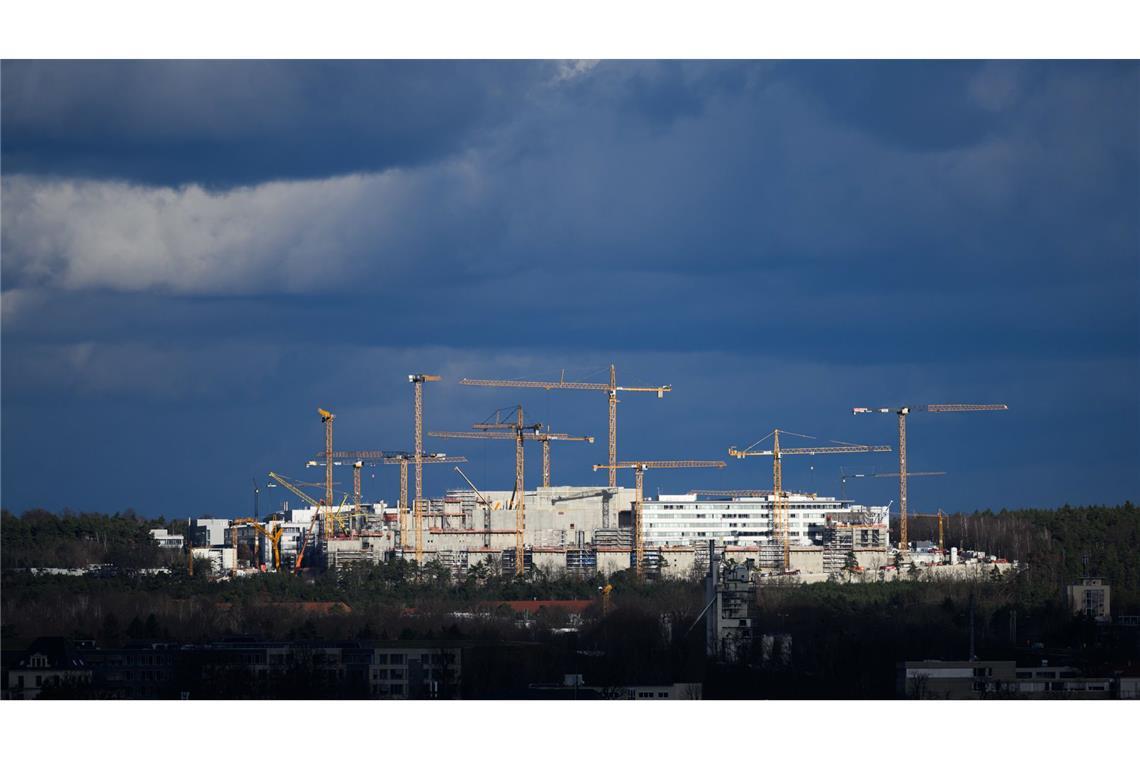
(39, 538)
(1055, 543)
(394, 601)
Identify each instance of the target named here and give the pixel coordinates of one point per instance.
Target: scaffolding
(771, 556)
(611, 538)
(508, 561)
(581, 562)
(846, 533)
(456, 560)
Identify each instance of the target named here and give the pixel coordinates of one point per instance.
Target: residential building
(167, 540)
(1090, 596)
(49, 663)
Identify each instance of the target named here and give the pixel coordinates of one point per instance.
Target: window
(397, 659)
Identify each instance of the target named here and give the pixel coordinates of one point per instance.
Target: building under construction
(573, 529)
(577, 529)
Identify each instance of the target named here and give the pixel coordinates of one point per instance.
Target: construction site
(577, 529)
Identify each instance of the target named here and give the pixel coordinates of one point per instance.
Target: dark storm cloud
(931, 106)
(187, 243)
(221, 123)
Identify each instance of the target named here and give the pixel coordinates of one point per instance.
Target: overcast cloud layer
(197, 254)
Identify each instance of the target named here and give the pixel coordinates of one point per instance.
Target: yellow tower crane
(401, 458)
(537, 434)
(357, 466)
(903, 412)
(843, 491)
(546, 437)
(780, 506)
(518, 431)
(282, 481)
(418, 506)
(611, 389)
(504, 431)
(332, 514)
(939, 516)
(327, 419)
(639, 468)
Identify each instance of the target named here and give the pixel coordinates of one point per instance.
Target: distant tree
(110, 631)
(136, 629)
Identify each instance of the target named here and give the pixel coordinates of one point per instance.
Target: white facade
(211, 532)
(165, 539)
(222, 559)
(743, 521)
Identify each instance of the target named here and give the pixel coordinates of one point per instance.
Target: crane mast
(518, 431)
(639, 468)
(327, 418)
(546, 437)
(902, 413)
(418, 505)
(520, 489)
(357, 466)
(780, 517)
(904, 541)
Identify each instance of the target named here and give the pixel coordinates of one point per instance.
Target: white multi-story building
(209, 531)
(743, 521)
(165, 539)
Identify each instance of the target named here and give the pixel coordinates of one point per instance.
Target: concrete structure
(729, 593)
(1090, 596)
(222, 559)
(586, 530)
(167, 540)
(981, 679)
(560, 517)
(208, 531)
(366, 548)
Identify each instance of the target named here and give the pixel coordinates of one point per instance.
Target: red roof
(534, 605)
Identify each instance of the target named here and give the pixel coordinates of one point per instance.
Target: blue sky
(198, 254)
